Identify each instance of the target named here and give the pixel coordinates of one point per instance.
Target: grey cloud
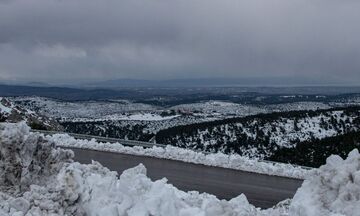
(106, 39)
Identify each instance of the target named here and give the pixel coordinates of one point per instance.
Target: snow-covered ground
(7, 107)
(297, 106)
(127, 110)
(5, 110)
(282, 131)
(140, 116)
(334, 189)
(232, 161)
(81, 110)
(11, 112)
(221, 109)
(36, 179)
(307, 128)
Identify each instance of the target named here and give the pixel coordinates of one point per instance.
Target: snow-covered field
(138, 118)
(81, 110)
(221, 109)
(297, 106)
(36, 179)
(127, 110)
(104, 116)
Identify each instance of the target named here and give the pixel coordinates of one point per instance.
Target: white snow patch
(143, 117)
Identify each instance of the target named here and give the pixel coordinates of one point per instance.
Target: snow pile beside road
(232, 161)
(333, 191)
(27, 161)
(37, 180)
(134, 194)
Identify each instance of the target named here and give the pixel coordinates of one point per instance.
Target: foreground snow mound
(36, 179)
(103, 193)
(27, 161)
(39, 180)
(334, 189)
(27, 158)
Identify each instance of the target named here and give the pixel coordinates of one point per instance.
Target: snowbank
(333, 190)
(26, 162)
(174, 153)
(38, 180)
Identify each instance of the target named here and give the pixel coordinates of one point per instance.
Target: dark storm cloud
(53, 40)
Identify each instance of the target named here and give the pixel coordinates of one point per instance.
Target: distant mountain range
(185, 83)
(209, 82)
(145, 90)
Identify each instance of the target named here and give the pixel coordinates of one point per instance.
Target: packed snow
(38, 179)
(333, 190)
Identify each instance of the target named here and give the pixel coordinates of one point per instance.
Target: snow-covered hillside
(227, 109)
(129, 129)
(212, 126)
(88, 110)
(37, 179)
(219, 109)
(10, 112)
(127, 120)
(260, 135)
(117, 110)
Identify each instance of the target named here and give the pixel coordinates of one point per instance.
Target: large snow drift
(36, 179)
(333, 190)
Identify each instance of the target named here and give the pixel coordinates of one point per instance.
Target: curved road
(261, 190)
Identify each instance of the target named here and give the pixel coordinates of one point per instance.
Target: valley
(260, 129)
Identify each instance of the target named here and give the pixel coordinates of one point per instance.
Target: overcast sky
(60, 40)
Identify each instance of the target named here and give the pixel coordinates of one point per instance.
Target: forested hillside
(262, 134)
(116, 129)
(314, 152)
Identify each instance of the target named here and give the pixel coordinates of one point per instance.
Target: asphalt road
(261, 190)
